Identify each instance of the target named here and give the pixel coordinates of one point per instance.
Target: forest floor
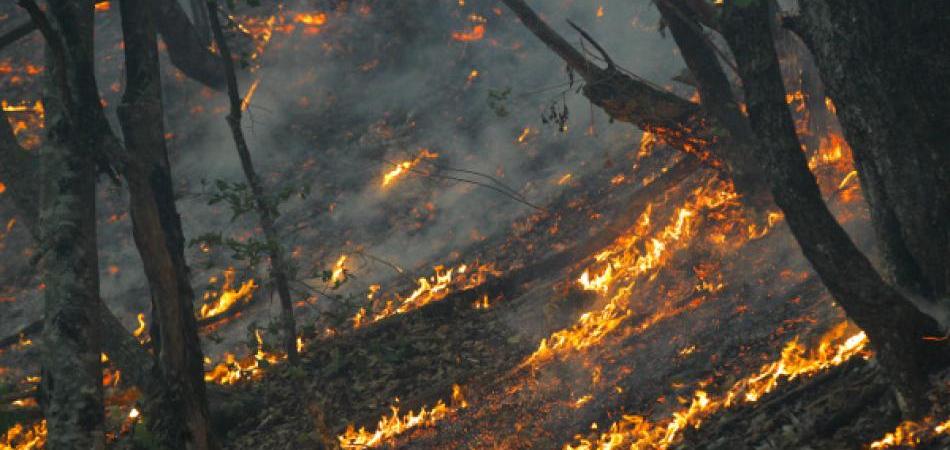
(705, 303)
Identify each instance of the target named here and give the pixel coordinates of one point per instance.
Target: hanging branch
(266, 210)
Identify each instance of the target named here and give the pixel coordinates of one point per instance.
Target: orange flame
(634, 431)
(20, 437)
(228, 296)
(428, 290)
(394, 425)
(476, 33)
(406, 166)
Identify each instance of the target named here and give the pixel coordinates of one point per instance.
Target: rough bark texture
(894, 325)
(885, 67)
(266, 210)
(181, 416)
(72, 371)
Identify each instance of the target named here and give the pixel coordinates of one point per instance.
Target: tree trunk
(69, 268)
(266, 208)
(895, 327)
(181, 417)
(884, 66)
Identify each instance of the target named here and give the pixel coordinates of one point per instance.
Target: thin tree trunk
(69, 268)
(895, 327)
(266, 209)
(181, 417)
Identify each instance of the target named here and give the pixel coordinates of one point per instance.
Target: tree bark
(181, 416)
(266, 210)
(69, 267)
(895, 327)
(884, 66)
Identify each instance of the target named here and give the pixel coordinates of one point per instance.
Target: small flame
(428, 289)
(142, 327)
(476, 33)
(393, 425)
(228, 295)
(405, 166)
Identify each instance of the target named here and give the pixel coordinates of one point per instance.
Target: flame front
(428, 289)
(634, 431)
(393, 425)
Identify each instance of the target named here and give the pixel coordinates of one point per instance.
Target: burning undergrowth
(480, 264)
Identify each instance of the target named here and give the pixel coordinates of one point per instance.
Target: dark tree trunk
(266, 209)
(885, 67)
(895, 327)
(181, 417)
(69, 268)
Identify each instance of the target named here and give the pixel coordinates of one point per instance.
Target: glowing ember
(633, 431)
(312, 19)
(476, 33)
(228, 296)
(405, 166)
(428, 290)
(394, 425)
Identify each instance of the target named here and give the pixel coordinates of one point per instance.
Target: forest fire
(834, 348)
(233, 370)
(221, 300)
(910, 433)
(650, 224)
(20, 437)
(428, 290)
(404, 167)
(394, 425)
(618, 269)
